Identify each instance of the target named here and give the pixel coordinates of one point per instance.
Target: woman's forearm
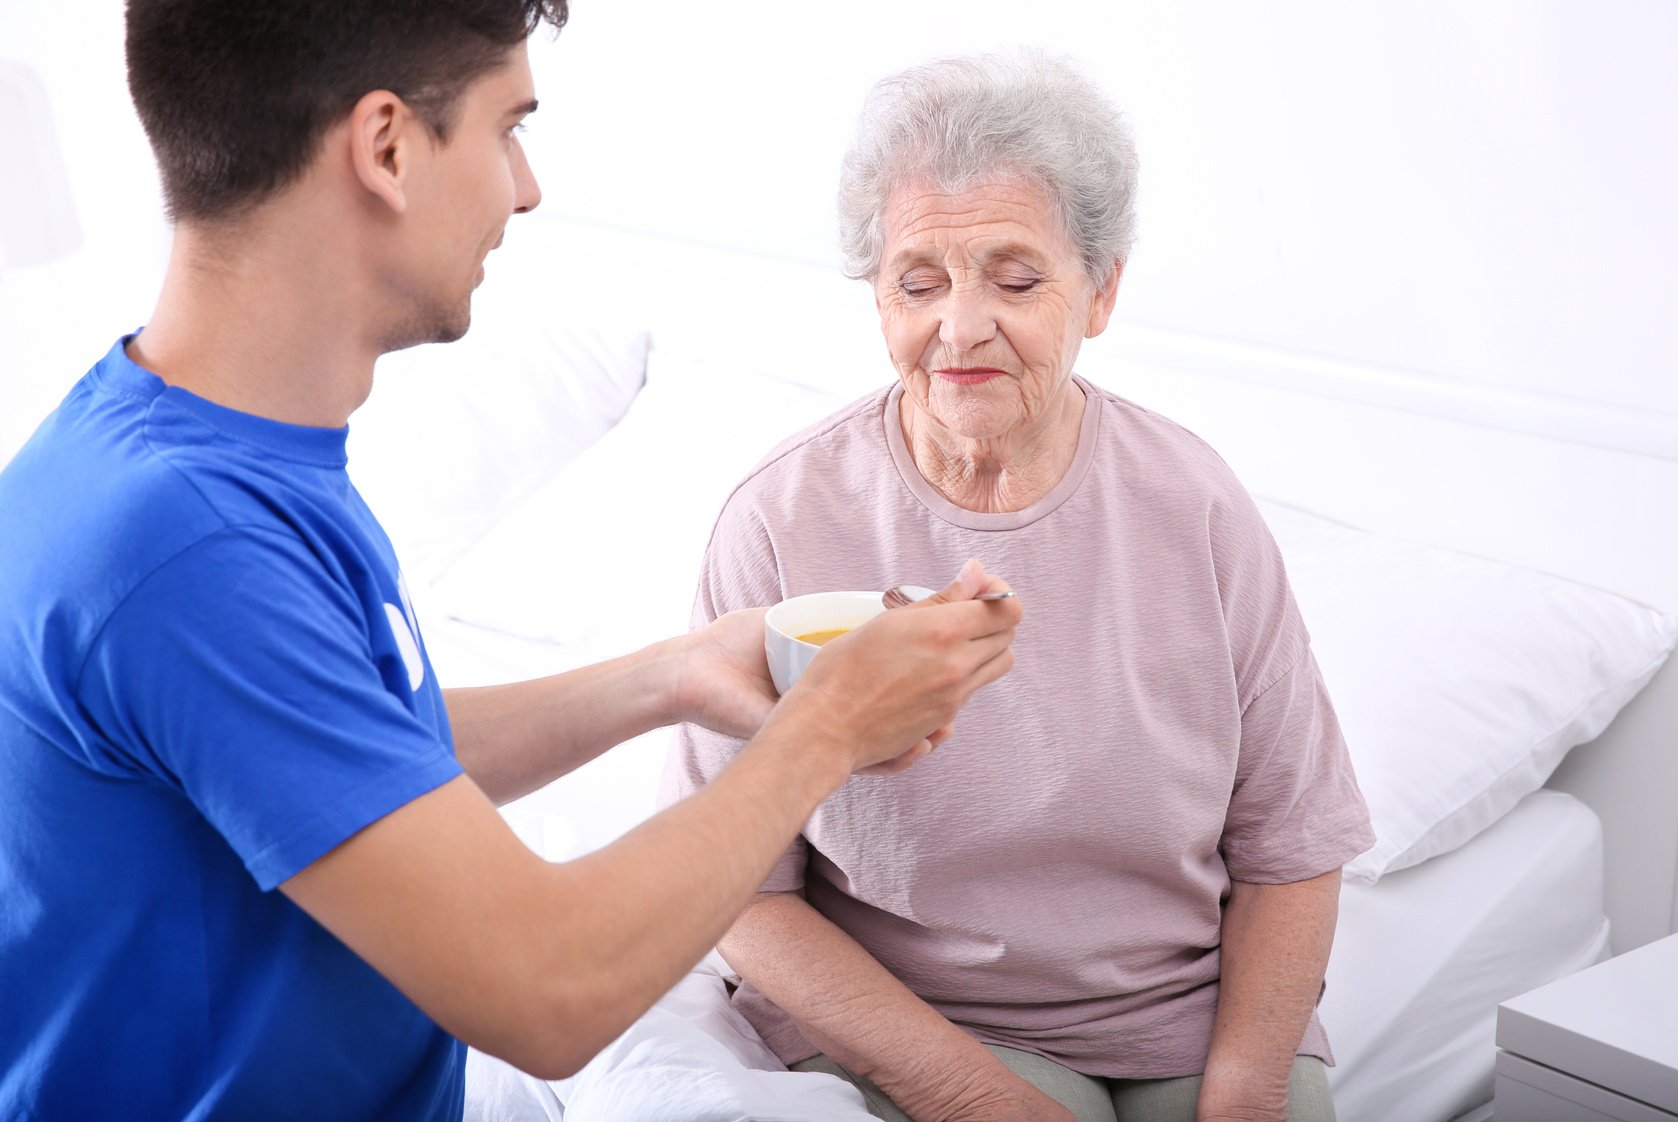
(1276, 940)
(855, 1011)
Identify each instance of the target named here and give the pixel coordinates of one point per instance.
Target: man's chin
(450, 332)
(440, 327)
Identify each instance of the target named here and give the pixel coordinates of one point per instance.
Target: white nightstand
(1600, 1044)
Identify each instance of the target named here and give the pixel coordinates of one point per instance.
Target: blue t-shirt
(210, 676)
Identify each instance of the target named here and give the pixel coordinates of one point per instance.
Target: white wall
(58, 319)
(1466, 194)
(1477, 191)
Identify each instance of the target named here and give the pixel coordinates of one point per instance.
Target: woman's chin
(977, 425)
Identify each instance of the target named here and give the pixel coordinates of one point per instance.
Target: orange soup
(820, 637)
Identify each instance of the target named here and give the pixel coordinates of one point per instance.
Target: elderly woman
(1112, 891)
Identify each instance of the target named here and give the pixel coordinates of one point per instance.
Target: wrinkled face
(983, 303)
(463, 192)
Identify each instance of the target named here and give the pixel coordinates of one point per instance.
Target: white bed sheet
(1423, 957)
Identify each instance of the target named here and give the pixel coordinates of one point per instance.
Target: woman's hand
(723, 683)
(1239, 1114)
(1006, 1100)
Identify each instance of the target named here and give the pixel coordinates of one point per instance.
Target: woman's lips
(969, 375)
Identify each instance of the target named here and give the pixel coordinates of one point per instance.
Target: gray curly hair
(960, 121)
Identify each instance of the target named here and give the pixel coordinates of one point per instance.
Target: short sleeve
(243, 676)
(1296, 811)
(738, 572)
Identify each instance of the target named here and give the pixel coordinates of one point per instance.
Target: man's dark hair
(236, 94)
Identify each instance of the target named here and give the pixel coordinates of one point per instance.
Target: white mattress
(1422, 958)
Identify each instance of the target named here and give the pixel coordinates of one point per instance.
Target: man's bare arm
(512, 739)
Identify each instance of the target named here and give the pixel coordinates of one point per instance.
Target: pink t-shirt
(1051, 879)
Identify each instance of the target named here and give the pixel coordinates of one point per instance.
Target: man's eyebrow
(524, 110)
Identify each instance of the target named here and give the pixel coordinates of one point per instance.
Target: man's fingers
(982, 620)
(992, 669)
(982, 648)
(925, 667)
(899, 763)
(902, 763)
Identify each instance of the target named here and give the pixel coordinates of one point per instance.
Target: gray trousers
(1110, 1100)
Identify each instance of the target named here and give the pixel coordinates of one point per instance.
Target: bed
(1495, 634)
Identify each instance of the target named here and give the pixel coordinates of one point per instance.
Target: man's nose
(527, 193)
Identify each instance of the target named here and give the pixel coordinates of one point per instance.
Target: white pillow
(455, 434)
(605, 555)
(1460, 682)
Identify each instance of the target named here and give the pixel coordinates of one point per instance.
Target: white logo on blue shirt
(406, 632)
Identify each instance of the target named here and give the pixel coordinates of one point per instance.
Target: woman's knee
(1309, 1098)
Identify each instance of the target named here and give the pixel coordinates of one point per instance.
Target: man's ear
(381, 136)
(1102, 310)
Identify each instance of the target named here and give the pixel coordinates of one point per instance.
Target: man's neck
(264, 319)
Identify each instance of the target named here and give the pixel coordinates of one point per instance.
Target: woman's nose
(967, 320)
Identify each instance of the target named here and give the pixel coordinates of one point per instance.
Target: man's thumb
(969, 582)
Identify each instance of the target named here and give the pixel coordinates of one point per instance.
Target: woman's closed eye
(917, 285)
(1016, 280)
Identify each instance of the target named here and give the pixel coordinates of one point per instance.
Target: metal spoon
(903, 594)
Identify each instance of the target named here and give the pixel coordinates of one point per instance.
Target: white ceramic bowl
(801, 615)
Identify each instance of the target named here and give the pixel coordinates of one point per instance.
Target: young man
(210, 683)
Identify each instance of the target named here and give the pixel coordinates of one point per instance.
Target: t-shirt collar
(305, 443)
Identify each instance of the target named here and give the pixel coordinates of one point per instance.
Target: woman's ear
(1101, 309)
(380, 137)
